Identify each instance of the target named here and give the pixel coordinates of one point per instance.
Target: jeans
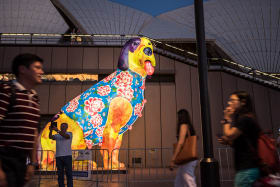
(64, 162)
(185, 175)
(14, 166)
(246, 177)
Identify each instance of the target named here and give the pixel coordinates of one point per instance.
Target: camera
(53, 124)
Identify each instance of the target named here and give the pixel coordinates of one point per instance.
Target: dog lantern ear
(131, 45)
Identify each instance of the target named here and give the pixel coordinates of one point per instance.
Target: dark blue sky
(155, 7)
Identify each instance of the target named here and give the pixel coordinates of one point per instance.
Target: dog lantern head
(138, 56)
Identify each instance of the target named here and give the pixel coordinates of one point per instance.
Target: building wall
(157, 128)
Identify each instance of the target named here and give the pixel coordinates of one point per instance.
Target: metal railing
(141, 166)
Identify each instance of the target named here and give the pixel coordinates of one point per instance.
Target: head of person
(183, 117)
(28, 67)
(241, 102)
(63, 127)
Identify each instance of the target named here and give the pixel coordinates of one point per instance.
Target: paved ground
(149, 177)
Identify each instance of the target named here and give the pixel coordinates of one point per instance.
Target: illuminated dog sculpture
(101, 115)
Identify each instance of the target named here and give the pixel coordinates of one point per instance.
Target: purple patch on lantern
(131, 45)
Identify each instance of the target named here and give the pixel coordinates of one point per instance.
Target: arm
(30, 168)
(51, 136)
(4, 102)
(231, 133)
(182, 136)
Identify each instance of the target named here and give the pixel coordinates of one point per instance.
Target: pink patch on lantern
(99, 131)
(125, 92)
(138, 109)
(104, 90)
(96, 120)
(124, 79)
(94, 105)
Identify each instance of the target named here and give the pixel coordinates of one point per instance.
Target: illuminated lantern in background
(101, 114)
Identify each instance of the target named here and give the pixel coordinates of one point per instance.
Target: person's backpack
(267, 153)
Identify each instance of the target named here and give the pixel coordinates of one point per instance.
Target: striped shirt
(18, 126)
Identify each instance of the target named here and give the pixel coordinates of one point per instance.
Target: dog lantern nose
(148, 51)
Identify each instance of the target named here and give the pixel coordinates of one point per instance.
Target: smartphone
(54, 124)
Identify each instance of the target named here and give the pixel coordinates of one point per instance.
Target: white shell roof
(30, 16)
(247, 30)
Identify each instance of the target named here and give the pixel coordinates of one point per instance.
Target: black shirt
(245, 146)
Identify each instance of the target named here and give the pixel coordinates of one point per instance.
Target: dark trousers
(14, 165)
(64, 162)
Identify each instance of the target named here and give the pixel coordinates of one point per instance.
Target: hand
(3, 181)
(224, 140)
(172, 165)
(55, 128)
(29, 172)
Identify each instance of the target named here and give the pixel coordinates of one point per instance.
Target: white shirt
(63, 145)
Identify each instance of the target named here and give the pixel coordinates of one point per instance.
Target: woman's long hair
(247, 105)
(184, 118)
(246, 109)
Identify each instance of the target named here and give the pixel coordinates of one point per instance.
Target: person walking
(63, 153)
(19, 120)
(185, 176)
(241, 131)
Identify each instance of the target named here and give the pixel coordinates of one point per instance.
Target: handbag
(188, 152)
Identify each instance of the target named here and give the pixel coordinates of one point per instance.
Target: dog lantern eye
(148, 51)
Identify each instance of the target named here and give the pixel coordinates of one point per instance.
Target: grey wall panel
(157, 62)
(59, 60)
(75, 60)
(86, 86)
(123, 157)
(168, 119)
(43, 91)
(137, 138)
(90, 60)
(229, 85)
(262, 106)
(274, 97)
(106, 59)
(216, 105)
(9, 55)
(195, 115)
(166, 64)
(117, 52)
(31, 50)
(183, 87)
(152, 121)
(2, 57)
(57, 98)
(244, 85)
(72, 91)
(46, 54)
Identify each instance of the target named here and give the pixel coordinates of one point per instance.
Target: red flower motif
(138, 109)
(96, 120)
(73, 104)
(94, 105)
(104, 90)
(125, 92)
(124, 79)
(99, 131)
(143, 85)
(110, 77)
(88, 133)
